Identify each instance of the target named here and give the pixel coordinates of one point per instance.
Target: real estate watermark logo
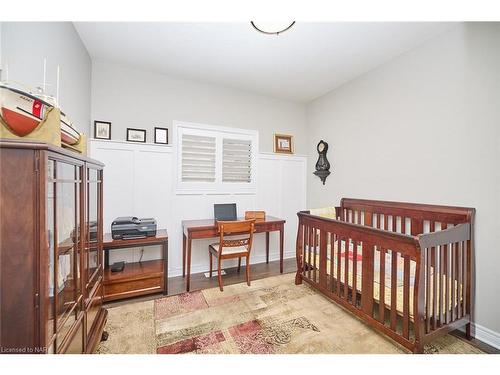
(24, 349)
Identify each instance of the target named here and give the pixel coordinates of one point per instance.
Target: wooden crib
(405, 269)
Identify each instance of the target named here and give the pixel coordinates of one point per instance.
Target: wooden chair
(232, 248)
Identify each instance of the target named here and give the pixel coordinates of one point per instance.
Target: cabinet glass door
(63, 217)
(93, 226)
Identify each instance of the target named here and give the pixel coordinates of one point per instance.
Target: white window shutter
(198, 158)
(237, 160)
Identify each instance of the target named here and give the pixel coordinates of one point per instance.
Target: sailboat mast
(44, 75)
(6, 74)
(57, 87)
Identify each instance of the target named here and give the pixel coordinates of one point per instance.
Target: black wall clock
(322, 165)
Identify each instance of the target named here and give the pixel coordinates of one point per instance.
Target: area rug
(271, 316)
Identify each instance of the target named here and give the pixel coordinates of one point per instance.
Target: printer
(132, 227)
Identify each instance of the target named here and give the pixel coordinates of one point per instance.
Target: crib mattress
(377, 274)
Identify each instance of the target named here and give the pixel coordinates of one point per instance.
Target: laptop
(225, 212)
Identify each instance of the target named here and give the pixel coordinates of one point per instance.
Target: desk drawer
(131, 288)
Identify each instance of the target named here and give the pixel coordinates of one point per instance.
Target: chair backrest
(242, 227)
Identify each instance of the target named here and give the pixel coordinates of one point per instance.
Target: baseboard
(486, 335)
(174, 272)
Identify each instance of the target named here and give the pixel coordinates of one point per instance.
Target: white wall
(139, 181)
(25, 45)
(132, 98)
(423, 128)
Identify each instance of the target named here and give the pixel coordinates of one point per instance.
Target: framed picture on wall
(161, 135)
(102, 130)
(136, 135)
(283, 143)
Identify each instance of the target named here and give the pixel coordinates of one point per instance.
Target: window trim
(217, 187)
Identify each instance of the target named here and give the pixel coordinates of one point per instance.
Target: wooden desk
(202, 229)
(137, 278)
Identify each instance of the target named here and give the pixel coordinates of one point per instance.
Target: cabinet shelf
(137, 278)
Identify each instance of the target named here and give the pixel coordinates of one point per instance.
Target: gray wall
(130, 98)
(25, 45)
(423, 128)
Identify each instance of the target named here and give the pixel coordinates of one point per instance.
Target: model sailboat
(23, 111)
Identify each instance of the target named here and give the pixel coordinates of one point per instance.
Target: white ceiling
(305, 62)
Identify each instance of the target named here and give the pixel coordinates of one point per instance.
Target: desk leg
(183, 255)
(188, 271)
(165, 267)
(267, 247)
(282, 229)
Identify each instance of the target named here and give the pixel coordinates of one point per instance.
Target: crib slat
(432, 263)
(339, 260)
(354, 271)
(453, 277)
(378, 221)
(459, 283)
(466, 285)
(315, 245)
(464, 280)
(439, 285)
(304, 242)
(434, 279)
(367, 279)
(403, 224)
(309, 253)
(394, 288)
(394, 222)
(427, 288)
(381, 301)
(441, 273)
(346, 269)
(368, 219)
(386, 222)
(322, 258)
(447, 284)
(434, 287)
(406, 297)
(332, 248)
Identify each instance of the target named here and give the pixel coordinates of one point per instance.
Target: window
(236, 160)
(214, 159)
(198, 158)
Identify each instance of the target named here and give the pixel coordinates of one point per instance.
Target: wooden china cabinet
(51, 255)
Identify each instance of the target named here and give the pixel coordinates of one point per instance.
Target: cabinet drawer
(92, 311)
(130, 288)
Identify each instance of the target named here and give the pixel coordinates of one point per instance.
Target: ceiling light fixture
(272, 28)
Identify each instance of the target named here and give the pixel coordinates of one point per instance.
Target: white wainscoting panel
(139, 181)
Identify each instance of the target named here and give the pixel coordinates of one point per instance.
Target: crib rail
(387, 278)
(447, 270)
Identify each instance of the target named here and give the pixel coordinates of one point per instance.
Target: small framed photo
(283, 143)
(102, 130)
(161, 135)
(136, 135)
